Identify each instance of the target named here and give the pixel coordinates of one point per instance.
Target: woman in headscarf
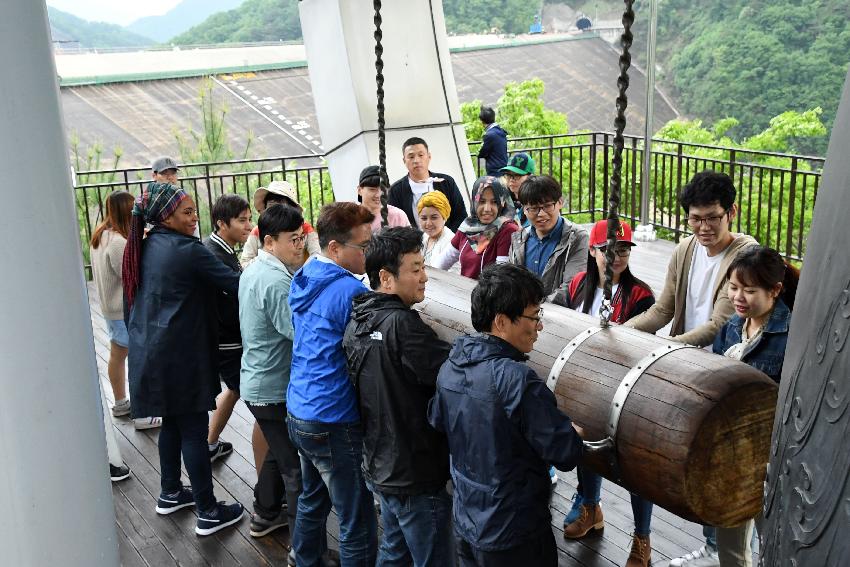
(170, 284)
(484, 237)
(434, 209)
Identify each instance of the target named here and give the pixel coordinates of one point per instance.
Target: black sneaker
(168, 503)
(222, 515)
(222, 449)
(118, 473)
(261, 526)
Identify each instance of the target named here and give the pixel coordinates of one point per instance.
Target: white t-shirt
(419, 189)
(699, 302)
(597, 300)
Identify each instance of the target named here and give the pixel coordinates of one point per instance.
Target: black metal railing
(776, 192)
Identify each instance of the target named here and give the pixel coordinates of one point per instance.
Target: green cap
(521, 164)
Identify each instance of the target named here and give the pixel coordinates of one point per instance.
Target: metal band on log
(693, 434)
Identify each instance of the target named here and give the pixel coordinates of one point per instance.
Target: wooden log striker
(694, 430)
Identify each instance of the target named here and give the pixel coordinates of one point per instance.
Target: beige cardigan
(106, 272)
(671, 303)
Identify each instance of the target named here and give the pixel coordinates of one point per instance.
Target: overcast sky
(113, 11)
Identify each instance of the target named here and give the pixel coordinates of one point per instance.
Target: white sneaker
(702, 557)
(141, 423)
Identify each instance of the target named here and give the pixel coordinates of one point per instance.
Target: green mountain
(183, 16)
(276, 20)
(752, 59)
(67, 29)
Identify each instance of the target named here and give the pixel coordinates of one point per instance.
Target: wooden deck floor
(147, 539)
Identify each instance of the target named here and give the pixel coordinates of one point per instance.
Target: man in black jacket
(231, 217)
(406, 192)
(494, 143)
(393, 360)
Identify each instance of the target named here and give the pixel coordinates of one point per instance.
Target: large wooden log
(694, 432)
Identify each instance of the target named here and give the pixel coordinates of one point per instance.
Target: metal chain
(607, 310)
(382, 137)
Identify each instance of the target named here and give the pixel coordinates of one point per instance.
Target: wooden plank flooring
(147, 539)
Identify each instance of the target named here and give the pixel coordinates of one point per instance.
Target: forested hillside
(69, 28)
(753, 59)
(274, 20)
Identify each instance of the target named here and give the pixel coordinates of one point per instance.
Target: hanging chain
(607, 310)
(382, 137)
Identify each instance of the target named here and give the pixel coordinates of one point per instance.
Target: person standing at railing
(519, 168)
(170, 284)
(107, 251)
(406, 192)
(231, 217)
(695, 295)
(164, 170)
(494, 143)
(284, 193)
(485, 237)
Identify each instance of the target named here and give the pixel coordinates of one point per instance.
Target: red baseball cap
(599, 233)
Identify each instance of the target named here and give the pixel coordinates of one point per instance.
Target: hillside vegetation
(276, 20)
(69, 28)
(754, 59)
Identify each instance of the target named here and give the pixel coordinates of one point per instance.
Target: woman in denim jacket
(762, 287)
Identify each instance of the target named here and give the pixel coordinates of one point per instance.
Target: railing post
(645, 230)
(678, 227)
(591, 176)
(789, 236)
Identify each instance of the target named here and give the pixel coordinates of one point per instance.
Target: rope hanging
(606, 310)
(382, 137)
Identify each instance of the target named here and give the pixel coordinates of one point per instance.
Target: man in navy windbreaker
(503, 427)
(324, 421)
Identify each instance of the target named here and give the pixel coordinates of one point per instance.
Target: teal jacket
(267, 338)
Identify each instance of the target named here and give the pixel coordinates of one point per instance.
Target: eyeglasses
(361, 247)
(537, 318)
(296, 240)
(537, 209)
(712, 221)
(621, 251)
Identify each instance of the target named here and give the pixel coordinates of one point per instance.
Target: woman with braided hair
(170, 284)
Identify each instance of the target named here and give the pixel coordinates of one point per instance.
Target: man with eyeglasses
(267, 335)
(694, 296)
(324, 417)
(551, 247)
(503, 426)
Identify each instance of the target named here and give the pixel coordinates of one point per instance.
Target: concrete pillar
(54, 486)
(420, 94)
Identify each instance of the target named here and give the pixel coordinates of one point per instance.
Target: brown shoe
(590, 518)
(639, 557)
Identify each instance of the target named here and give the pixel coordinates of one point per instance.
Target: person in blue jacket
(324, 421)
(503, 427)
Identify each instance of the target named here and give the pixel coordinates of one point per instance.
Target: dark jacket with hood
(401, 196)
(393, 360)
(494, 150)
(173, 360)
(320, 299)
(229, 336)
(504, 427)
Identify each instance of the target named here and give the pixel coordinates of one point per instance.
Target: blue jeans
(417, 530)
(187, 433)
(331, 456)
(710, 537)
(590, 489)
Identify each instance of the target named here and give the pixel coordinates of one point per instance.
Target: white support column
(54, 486)
(420, 94)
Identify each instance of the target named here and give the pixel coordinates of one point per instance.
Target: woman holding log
(485, 237)
(762, 287)
(630, 297)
